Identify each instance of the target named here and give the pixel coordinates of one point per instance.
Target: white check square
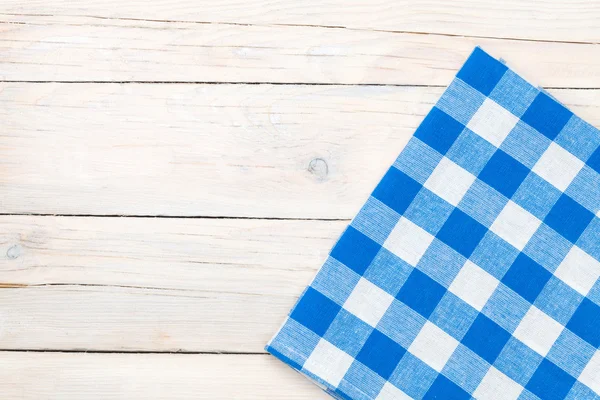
(579, 270)
(449, 181)
(590, 376)
(408, 241)
(492, 122)
(558, 166)
(497, 386)
(433, 346)
(368, 302)
(538, 331)
(328, 363)
(391, 392)
(515, 225)
(474, 285)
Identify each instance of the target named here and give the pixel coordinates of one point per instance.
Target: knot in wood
(319, 168)
(13, 252)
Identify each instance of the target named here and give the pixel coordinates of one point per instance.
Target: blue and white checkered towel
(473, 269)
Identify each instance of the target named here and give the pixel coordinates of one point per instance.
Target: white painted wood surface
(552, 20)
(203, 157)
(286, 151)
(76, 376)
(146, 284)
(81, 48)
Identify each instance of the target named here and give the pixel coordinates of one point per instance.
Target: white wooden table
(173, 173)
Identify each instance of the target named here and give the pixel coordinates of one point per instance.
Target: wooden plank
(531, 19)
(209, 150)
(74, 376)
(73, 317)
(255, 150)
(129, 284)
(40, 48)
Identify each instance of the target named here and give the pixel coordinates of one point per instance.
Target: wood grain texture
(250, 150)
(75, 376)
(131, 284)
(208, 150)
(532, 19)
(48, 48)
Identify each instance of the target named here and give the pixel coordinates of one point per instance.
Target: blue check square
(594, 160)
(315, 311)
(568, 218)
(421, 293)
(355, 250)
(482, 72)
(526, 277)
(547, 116)
(381, 354)
(396, 190)
(444, 388)
(550, 382)
(439, 130)
(462, 232)
(486, 338)
(585, 322)
(504, 173)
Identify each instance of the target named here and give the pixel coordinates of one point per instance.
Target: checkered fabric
(473, 269)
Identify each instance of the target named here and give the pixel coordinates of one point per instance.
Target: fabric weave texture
(473, 269)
